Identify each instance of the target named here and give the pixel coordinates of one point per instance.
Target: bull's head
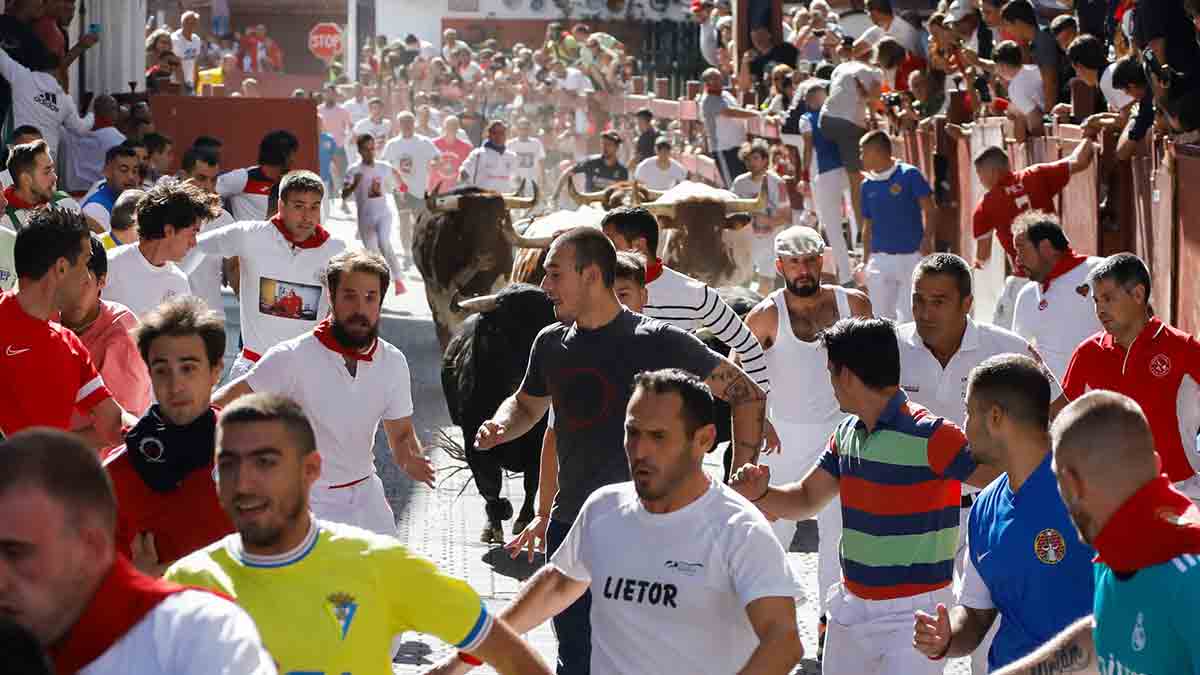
(437, 203)
(737, 211)
(614, 195)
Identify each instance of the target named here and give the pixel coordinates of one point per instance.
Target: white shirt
(248, 192)
(188, 633)
(140, 286)
(748, 187)
(647, 173)
(844, 100)
(204, 271)
(944, 390)
(730, 131)
(378, 130)
(670, 590)
(84, 155)
(344, 409)
(359, 110)
(485, 168)
(39, 100)
(902, 31)
(5, 179)
(530, 153)
(99, 213)
(188, 52)
(271, 270)
(1116, 98)
(1055, 322)
(370, 195)
(411, 157)
(471, 73)
(1025, 90)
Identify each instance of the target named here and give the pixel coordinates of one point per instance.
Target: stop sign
(325, 41)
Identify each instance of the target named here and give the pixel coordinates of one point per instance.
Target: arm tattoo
(1070, 658)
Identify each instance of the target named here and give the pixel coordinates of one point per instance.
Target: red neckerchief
(125, 596)
(318, 237)
(654, 270)
(14, 200)
(1154, 525)
(1069, 261)
(324, 333)
(102, 123)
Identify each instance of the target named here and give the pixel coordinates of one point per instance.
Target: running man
(294, 573)
(370, 181)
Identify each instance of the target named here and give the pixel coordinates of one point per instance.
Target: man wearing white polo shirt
(1056, 312)
(347, 379)
(491, 166)
(938, 350)
(282, 262)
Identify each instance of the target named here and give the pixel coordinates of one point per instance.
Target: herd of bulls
(481, 272)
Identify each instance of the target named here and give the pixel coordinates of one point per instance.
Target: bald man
(1147, 537)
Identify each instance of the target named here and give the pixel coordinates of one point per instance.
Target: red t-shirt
(1161, 371)
(1033, 188)
(45, 370)
(444, 175)
(910, 64)
(183, 520)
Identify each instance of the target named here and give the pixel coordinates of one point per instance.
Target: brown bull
(463, 247)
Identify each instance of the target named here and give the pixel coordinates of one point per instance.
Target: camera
(1161, 72)
(820, 32)
(892, 99)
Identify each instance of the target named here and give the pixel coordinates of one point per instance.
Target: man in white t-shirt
(1026, 98)
(371, 181)
(887, 24)
(578, 86)
(282, 263)
(660, 172)
(491, 166)
(142, 275)
(766, 223)
(201, 167)
(85, 604)
(411, 155)
(531, 155)
(684, 576)
(723, 128)
(376, 125)
(348, 380)
(853, 87)
(186, 44)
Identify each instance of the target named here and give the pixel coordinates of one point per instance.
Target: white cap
(798, 240)
(959, 10)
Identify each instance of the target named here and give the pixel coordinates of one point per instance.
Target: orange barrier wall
(239, 122)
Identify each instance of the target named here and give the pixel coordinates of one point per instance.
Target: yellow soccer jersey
(335, 603)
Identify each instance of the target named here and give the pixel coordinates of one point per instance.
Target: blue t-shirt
(326, 147)
(825, 151)
(1149, 623)
(104, 196)
(895, 213)
(1026, 550)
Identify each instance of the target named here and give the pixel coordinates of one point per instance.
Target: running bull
(482, 366)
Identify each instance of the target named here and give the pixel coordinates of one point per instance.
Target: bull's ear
(736, 221)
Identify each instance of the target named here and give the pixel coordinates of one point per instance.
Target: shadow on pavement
(518, 568)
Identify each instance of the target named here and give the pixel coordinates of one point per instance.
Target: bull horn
(660, 209)
(439, 204)
(481, 304)
(583, 197)
(519, 241)
(513, 201)
(654, 195)
(749, 205)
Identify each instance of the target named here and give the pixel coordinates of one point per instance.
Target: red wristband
(469, 660)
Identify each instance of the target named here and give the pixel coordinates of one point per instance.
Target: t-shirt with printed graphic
(411, 157)
(672, 597)
(529, 153)
(444, 176)
(589, 376)
(1029, 189)
(375, 183)
(250, 193)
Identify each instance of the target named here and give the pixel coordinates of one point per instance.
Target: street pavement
(443, 524)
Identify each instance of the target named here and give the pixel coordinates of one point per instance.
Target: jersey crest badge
(1138, 640)
(895, 189)
(1160, 365)
(1049, 546)
(342, 607)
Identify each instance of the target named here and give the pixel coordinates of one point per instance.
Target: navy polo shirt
(895, 213)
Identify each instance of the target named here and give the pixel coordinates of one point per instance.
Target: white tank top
(799, 372)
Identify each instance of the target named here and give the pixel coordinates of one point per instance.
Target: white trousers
(362, 505)
(830, 190)
(889, 283)
(802, 447)
(869, 637)
(375, 230)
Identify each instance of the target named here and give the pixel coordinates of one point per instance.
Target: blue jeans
(573, 626)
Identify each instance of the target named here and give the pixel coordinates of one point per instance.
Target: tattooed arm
(749, 405)
(1072, 651)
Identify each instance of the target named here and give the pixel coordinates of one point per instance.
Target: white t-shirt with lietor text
(140, 286)
(670, 590)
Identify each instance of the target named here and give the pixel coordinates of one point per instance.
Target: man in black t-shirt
(647, 135)
(601, 171)
(768, 51)
(585, 364)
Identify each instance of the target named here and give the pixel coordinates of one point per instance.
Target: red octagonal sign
(325, 41)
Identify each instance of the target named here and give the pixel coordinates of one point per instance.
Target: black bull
(483, 365)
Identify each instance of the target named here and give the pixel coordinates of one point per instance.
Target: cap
(798, 240)
(959, 10)
(611, 136)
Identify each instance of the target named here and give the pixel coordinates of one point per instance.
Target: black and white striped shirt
(690, 304)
